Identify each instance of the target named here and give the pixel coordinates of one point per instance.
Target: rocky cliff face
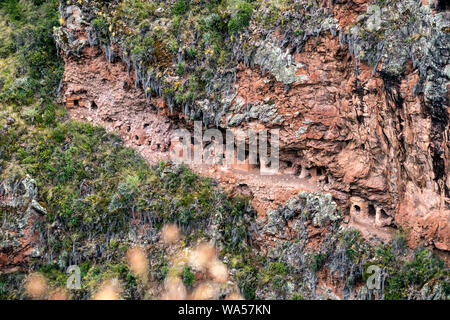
(358, 89)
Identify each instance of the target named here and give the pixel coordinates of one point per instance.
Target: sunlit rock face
(358, 89)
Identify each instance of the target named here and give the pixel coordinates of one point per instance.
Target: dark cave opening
(371, 211)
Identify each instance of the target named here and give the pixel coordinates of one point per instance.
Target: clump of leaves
(318, 261)
(424, 267)
(247, 279)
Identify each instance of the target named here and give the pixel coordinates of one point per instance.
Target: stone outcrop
(368, 126)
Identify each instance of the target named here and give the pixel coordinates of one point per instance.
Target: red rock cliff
(363, 133)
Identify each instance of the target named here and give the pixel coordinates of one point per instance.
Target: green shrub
(31, 40)
(399, 242)
(13, 8)
(7, 48)
(424, 267)
(180, 68)
(100, 26)
(191, 53)
(247, 279)
(318, 260)
(143, 48)
(297, 296)
(384, 253)
(188, 276)
(278, 268)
